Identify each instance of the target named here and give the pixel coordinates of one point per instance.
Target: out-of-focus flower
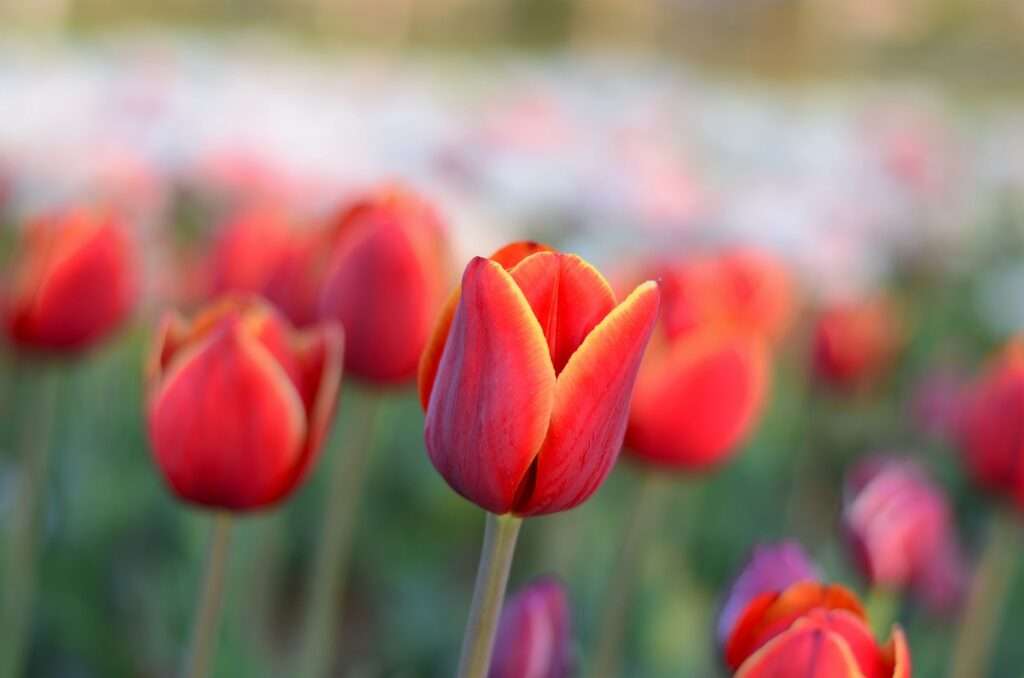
(239, 402)
(993, 432)
(528, 377)
(812, 629)
(534, 635)
(900, 529)
(772, 567)
(855, 342)
(703, 380)
(259, 251)
(386, 282)
(75, 280)
(760, 293)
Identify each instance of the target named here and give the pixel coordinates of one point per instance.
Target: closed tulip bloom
(75, 281)
(993, 427)
(240, 402)
(812, 629)
(386, 281)
(528, 378)
(703, 381)
(898, 523)
(534, 637)
(772, 567)
(855, 342)
(759, 292)
(259, 251)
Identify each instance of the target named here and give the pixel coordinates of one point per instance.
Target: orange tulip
(239, 402)
(75, 281)
(812, 629)
(386, 282)
(258, 251)
(855, 342)
(703, 381)
(527, 379)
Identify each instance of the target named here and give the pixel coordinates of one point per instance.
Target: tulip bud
(386, 282)
(75, 280)
(898, 524)
(772, 567)
(993, 434)
(759, 292)
(703, 381)
(528, 378)
(812, 629)
(854, 343)
(258, 251)
(239, 403)
(534, 639)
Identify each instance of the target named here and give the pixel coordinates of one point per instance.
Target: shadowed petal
(591, 407)
(494, 390)
(431, 358)
(804, 652)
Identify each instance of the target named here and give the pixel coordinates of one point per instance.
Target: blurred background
(873, 146)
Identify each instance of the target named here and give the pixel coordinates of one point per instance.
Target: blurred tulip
(534, 638)
(260, 252)
(993, 434)
(386, 282)
(75, 280)
(772, 567)
(701, 363)
(855, 342)
(759, 291)
(812, 629)
(240, 403)
(527, 380)
(899, 528)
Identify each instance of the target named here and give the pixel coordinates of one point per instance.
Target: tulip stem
(488, 594)
(637, 534)
(993, 575)
(27, 521)
(326, 595)
(207, 620)
(882, 605)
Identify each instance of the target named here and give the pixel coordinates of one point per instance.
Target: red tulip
(260, 252)
(75, 281)
(239, 402)
(993, 427)
(386, 282)
(703, 381)
(533, 639)
(812, 629)
(854, 343)
(899, 525)
(759, 293)
(528, 378)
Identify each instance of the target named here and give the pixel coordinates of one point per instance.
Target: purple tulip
(533, 635)
(772, 567)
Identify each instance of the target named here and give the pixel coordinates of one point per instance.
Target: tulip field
(319, 363)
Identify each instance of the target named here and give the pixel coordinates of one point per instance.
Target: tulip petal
(235, 441)
(568, 296)
(898, 654)
(492, 398)
(770, 613)
(855, 633)
(511, 254)
(804, 652)
(693, 405)
(431, 358)
(319, 354)
(591, 407)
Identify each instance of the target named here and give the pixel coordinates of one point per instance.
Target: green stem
(488, 595)
(979, 622)
(636, 538)
(882, 605)
(326, 596)
(207, 620)
(26, 524)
